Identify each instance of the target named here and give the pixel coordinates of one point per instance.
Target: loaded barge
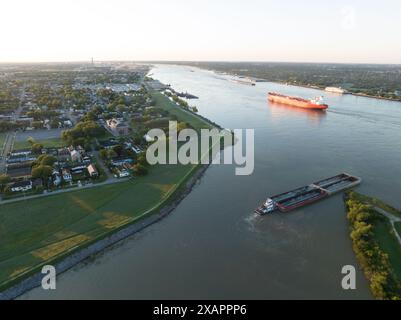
(300, 197)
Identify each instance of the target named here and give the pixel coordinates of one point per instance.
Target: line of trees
(82, 134)
(375, 263)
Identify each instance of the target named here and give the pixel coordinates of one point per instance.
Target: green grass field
(39, 231)
(383, 232)
(389, 244)
(398, 227)
(164, 103)
(48, 143)
(378, 203)
(2, 140)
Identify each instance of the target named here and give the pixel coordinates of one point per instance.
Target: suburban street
(7, 148)
(84, 187)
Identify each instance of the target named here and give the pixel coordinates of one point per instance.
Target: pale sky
(230, 30)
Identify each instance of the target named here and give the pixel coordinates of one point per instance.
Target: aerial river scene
(213, 245)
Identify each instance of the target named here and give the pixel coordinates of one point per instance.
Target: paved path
(88, 186)
(7, 148)
(106, 170)
(393, 220)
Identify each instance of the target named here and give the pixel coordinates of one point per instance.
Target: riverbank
(86, 222)
(81, 255)
(376, 243)
(348, 92)
(261, 79)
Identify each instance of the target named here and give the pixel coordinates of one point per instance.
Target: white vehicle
(124, 174)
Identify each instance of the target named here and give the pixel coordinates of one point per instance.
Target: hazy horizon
(349, 32)
(193, 61)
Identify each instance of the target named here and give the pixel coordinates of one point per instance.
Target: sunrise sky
(230, 30)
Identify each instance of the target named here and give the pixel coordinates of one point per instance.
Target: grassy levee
(398, 228)
(383, 233)
(378, 203)
(2, 140)
(183, 115)
(45, 230)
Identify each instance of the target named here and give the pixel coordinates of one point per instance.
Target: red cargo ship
(316, 104)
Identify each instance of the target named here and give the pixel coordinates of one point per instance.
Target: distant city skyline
(352, 31)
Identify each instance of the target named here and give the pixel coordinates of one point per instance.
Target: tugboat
(267, 208)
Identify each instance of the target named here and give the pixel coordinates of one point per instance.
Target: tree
(31, 141)
(112, 154)
(140, 170)
(142, 160)
(37, 148)
(54, 124)
(118, 149)
(37, 124)
(181, 126)
(104, 154)
(47, 160)
(4, 180)
(42, 172)
(82, 133)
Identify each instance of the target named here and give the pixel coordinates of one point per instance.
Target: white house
(56, 178)
(75, 156)
(21, 186)
(67, 175)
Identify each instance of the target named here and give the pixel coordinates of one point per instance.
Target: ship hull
(296, 102)
(298, 198)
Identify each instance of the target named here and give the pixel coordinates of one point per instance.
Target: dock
(312, 193)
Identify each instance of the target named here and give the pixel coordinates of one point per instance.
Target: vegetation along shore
(376, 236)
(81, 223)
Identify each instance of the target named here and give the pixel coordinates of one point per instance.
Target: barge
(312, 193)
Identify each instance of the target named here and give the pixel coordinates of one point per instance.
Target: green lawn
(398, 227)
(384, 232)
(48, 143)
(378, 203)
(164, 103)
(2, 140)
(389, 244)
(36, 231)
(39, 231)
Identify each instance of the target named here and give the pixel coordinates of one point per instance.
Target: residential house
(56, 178)
(118, 127)
(78, 169)
(63, 155)
(67, 177)
(21, 186)
(108, 144)
(75, 156)
(121, 161)
(92, 170)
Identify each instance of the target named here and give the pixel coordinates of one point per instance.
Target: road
(7, 148)
(100, 163)
(17, 112)
(393, 220)
(88, 186)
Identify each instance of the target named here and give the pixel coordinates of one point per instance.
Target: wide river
(213, 246)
